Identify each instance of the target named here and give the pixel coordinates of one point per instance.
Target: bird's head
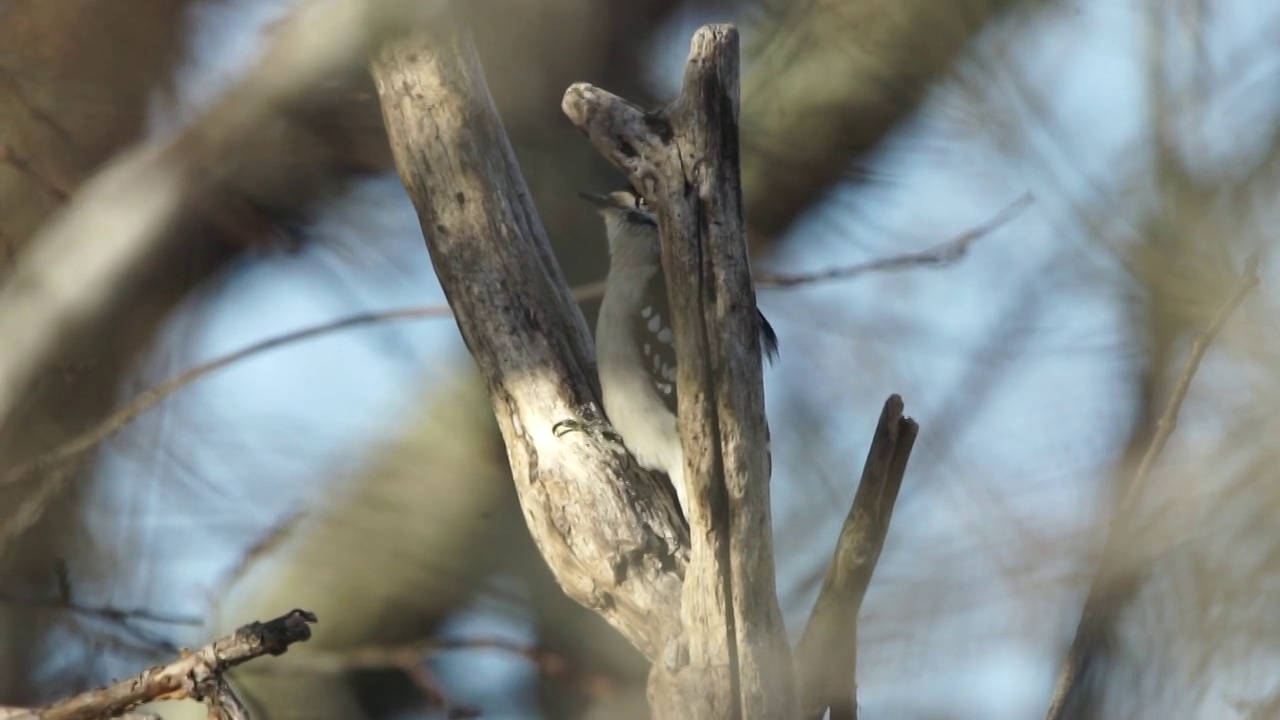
(627, 217)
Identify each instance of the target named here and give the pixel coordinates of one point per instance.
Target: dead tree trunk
(701, 604)
(608, 531)
(732, 659)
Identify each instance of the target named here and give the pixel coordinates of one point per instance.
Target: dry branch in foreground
(197, 675)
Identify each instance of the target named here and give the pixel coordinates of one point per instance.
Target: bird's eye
(641, 204)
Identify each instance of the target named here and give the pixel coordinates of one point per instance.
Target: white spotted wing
(656, 339)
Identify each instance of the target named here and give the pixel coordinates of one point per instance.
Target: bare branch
(826, 656)
(189, 677)
(610, 532)
(153, 396)
(942, 254)
(221, 700)
(1096, 614)
(1168, 421)
(129, 621)
(684, 160)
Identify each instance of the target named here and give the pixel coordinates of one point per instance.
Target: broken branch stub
(733, 658)
(187, 677)
(827, 654)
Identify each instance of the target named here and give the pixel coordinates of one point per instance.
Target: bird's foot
(591, 422)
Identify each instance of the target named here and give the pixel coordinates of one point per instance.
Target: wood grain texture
(609, 532)
(827, 654)
(733, 659)
(196, 675)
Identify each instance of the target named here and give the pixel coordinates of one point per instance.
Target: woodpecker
(635, 345)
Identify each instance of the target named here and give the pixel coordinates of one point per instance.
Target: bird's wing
(652, 331)
(656, 339)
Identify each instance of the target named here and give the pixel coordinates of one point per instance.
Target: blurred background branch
(1112, 582)
(827, 81)
(943, 254)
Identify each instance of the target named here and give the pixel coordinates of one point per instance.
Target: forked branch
(196, 675)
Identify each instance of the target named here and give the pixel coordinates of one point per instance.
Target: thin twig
(1095, 615)
(123, 619)
(942, 254)
(33, 505)
(1168, 421)
(152, 397)
(222, 701)
(191, 676)
(826, 656)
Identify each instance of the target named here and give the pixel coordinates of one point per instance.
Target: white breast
(632, 403)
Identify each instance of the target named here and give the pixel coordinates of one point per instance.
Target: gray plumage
(635, 345)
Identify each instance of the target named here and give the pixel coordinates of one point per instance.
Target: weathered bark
(559, 41)
(733, 659)
(95, 342)
(196, 675)
(566, 37)
(609, 532)
(290, 159)
(827, 654)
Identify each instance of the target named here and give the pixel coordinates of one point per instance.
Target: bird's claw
(591, 422)
(564, 427)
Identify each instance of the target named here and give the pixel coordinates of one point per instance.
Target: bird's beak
(597, 200)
